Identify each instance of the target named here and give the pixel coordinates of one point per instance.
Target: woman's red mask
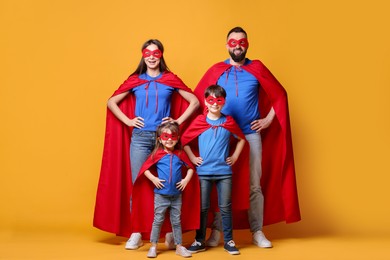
(147, 53)
(212, 100)
(165, 136)
(241, 42)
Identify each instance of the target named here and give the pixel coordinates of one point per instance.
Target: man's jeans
(161, 204)
(224, 191)
(256, 206)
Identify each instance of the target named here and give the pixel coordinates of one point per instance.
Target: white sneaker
(134, 242)
(169, 241)
(214, 238)
(152, 253)
(260, 240)
(182, 251)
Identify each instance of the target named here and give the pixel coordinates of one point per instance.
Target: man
(258, 103)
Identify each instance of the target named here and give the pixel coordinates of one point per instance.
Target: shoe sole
(134, 247)
(254, 242)
(194, 252)
(233, 253)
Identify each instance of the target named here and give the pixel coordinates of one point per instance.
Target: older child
(214, 164)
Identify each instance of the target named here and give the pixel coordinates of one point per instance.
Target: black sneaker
(231, 248)
(196, 247)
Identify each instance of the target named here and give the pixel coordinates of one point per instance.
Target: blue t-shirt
(152, 110)
(170, 175)
(242, 96)
(214, 149)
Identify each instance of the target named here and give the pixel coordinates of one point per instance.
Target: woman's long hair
(142, 65)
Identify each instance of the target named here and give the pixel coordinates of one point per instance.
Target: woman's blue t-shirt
(153, 102)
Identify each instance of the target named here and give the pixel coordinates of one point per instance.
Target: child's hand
(231, 160)
(197, 161)
(158, 183)
(181, 185)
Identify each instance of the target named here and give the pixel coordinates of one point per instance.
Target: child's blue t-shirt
(153, 102)
(242, 96)
(169, 169)
(214, 149)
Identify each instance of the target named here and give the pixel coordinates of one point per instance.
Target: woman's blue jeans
(224, 191)
(142, 144)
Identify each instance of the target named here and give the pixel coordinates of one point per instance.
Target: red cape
(278, 178)
(240, 178)
(143, 199)
(112, 208)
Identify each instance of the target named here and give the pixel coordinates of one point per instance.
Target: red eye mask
(147, 53)
(241, 42)
(219, 100)
(166, 136)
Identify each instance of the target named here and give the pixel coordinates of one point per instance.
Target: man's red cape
(240, 178)
(278, 178)
(112, 208)
(143, 199)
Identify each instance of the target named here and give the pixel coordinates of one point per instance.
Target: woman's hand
(137, 122)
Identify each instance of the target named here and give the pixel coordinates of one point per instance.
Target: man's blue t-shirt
(214, 149)
(152, 103)
(242, 96)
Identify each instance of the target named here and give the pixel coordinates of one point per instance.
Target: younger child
(168, 184)
(214, 164)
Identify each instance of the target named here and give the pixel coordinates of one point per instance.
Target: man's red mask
(241, 42)
(147, 53)
(219, 100)
(165, 136)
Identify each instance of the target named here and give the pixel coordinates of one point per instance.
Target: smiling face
(237, 46)
(168, 139)
(152, 55)
(214, 104)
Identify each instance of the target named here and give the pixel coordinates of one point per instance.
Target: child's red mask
(165, 136)
(219, 100)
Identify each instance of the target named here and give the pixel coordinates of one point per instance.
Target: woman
(150, 96)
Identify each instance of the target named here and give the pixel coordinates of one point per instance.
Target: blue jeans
(224, 191)
(142, 144)
(161, 204)
(256, 203)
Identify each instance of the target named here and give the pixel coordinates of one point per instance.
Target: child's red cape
(278, 178)
(143, 199)
(240, 178)
(112, 208)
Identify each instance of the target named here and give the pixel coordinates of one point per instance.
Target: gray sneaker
(182, 251)
(134, 242)
(260, 240)
(169, 241)
(214, 238)
(152, 253)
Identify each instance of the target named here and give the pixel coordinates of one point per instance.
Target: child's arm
(181, 185)
(240, 145)
(195, 160)
(156, 181)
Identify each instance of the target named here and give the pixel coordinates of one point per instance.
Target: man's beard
(237, 58)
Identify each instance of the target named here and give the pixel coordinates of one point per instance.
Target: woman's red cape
(112, 208)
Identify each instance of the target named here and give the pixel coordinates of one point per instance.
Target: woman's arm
(112, 104)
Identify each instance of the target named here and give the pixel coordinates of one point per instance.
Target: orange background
(61, 60)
